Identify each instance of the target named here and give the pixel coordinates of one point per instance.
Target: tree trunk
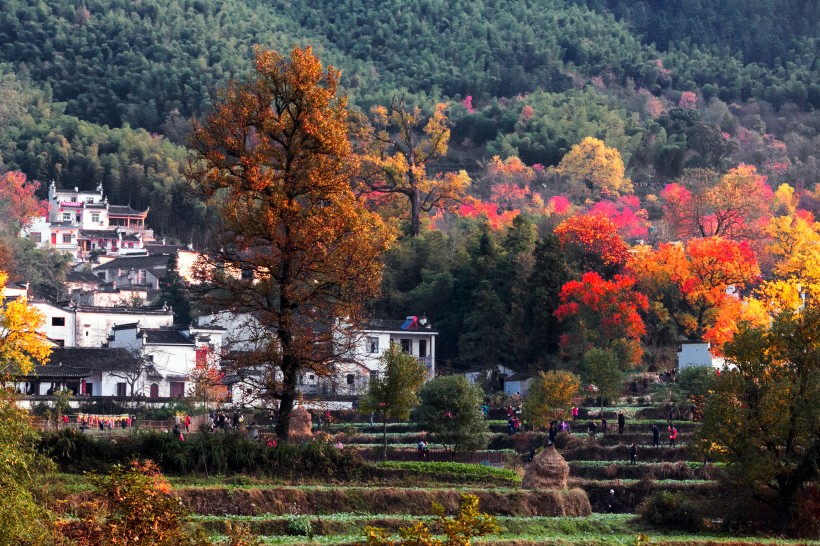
(415, 223)
(384, 435)
(288, 398)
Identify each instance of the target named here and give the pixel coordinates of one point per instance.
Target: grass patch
(466, 470)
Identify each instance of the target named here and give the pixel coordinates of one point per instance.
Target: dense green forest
(104, 92)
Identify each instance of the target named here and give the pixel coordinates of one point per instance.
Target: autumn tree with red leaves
(701, 204)
(602, 313)
(591, 243)
(294, 248)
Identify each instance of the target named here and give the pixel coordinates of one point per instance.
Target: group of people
(424, 451)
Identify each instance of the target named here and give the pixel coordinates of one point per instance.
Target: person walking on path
(603, 426)
(611, 502)
(552, 432)
(574, 413)
(187, 423)
(633, 454)
(621, 422)
(673, 436)
(422, 447)
(656, 436)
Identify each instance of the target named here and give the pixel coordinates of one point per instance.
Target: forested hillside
(674, 95)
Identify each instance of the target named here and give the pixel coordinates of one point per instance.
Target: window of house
(423, 348)
(351, 379)
(177, 389)
(311, 377)
(154, 390)
(374, 375)
(59, 342)
(58, 321)
(121, 389)
(149, 358)
(95, 217)
(406, 346)
(66, 237)
(372, 344)
(37, 237)
(66, 217)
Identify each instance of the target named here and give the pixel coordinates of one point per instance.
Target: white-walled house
(698, 353)
(169, 355)
(84, 371)
(414, 335)
(88, 326)
(83, 224)
(517, 384)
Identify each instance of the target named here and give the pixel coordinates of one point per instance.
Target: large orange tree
(293, 247)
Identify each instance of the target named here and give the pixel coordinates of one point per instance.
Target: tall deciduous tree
(593, 170)
(550, 397)
(395, 393)
(293, 246)
(603, 313)
(24, 519)
(602, 369)
(703, 205)
(763, 416)
(591, 243)
(21, 346)
(450, 411)
(400, 146)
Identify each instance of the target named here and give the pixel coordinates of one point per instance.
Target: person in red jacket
(673, 436)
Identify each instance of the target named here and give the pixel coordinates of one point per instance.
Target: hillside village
(400, 273)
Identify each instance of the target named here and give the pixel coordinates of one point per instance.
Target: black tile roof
(165, 336)
(129, 326)
(154, 263)
(157, 249)
(119, 210)
(83, 277)
(79, 362)
(393, 325)
(98, 234)
(122, 310)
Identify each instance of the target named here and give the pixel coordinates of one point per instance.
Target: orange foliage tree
(689, 285)
(398, 149)
(294, 247)
(592, 243)
(134, 506)
(601, 313)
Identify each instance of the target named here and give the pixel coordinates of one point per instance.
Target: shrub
(300, 526)
(670, 510)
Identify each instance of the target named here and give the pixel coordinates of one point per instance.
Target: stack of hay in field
(549, 471)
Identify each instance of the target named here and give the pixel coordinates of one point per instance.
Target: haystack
(300, 425)
(548, 470)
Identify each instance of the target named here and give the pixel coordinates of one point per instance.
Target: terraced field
(400, 491)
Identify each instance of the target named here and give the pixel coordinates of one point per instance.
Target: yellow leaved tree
(399, 147)
(21, 346)
(593, 171)
(550, 397)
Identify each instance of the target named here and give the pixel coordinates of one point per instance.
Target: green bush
(300, 526)
(200, 453)
(669, 510)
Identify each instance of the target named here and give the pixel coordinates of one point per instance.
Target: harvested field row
(379, 500)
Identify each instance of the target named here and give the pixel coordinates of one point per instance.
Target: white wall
(95, 327)
(67, 333)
